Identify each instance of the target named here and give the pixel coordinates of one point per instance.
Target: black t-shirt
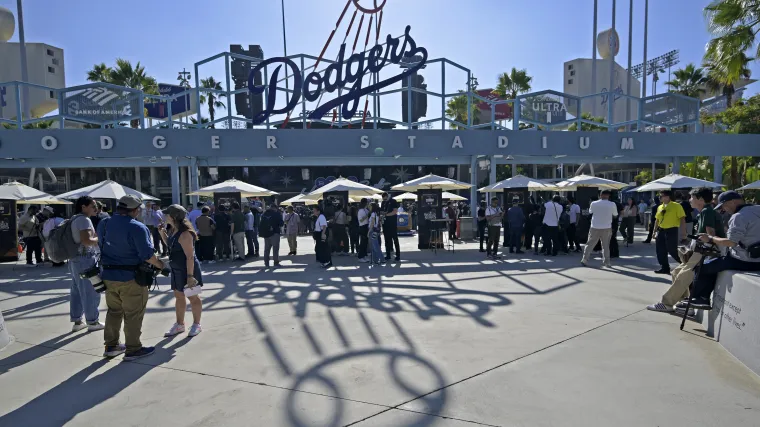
(481, 214)
(689, 211)
(388, 207)
(222, 221)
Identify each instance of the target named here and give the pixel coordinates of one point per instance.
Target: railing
(117, 106)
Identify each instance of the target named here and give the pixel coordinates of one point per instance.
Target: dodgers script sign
(338, 75)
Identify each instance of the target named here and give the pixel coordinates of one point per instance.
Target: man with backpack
(269, 229)
(30, 229)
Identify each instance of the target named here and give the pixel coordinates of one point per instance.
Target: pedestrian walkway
(437, 340)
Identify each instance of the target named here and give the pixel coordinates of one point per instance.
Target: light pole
(22, 51)
(285, 50)
(593, 62)
(184, 81)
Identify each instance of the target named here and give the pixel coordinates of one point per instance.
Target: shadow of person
(83, 391)
(37, 351)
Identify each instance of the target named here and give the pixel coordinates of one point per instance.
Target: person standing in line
(535, 219)
(482, 224)
(269, 228)
(670, 219)
(363, 219)
(238, 231)
(186, 275)
(339, 225)
(494, 216)
(195, 214)
(390, 227)
(374, 234)
(30, 229)
(572, 229)
(629, 215)
(84, 299)
(353, 228)
(652, 220)
(100, 215)
(451, 214)
(321, 248)
(154, 219)
(251, 237)
(206, 227)
(222, 233)
(516, 221)
(688, 212)
(602, 211)
(552, 211)
(292, 221)
(54, 221)
(126, 244)
(642, 211)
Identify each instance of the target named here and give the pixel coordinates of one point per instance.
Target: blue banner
(159, 110)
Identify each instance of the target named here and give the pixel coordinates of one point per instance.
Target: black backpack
(265, 226)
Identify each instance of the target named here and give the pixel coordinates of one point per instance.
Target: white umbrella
(106, 190)
(355, 189)
(451, 196)
(674, 181)
(589, 181)
(431, 182)
(754, 186)
(297, 199)
(24, 194)
(405, 196)
(234, 186)
(518, 181)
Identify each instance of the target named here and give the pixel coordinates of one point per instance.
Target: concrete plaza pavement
(437, 340)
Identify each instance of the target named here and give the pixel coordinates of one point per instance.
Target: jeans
(253, 242)
(239, 239)
(126, 301)
(515, 238)
(596, 235)
(363, 241)
(551, 239)
(33, 245)
(667, 243)
(84, 299)
(377, 251)
(272, 243)
(391, 238)
(292, 243)
(494, 232)
(708, 273)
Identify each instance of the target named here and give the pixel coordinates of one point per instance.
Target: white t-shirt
(81, 223)
(321, 223)
(603, 211)
(575, 210)
(363, 217)
(551, 216)
(494, 222)
(374, 221)
(50, 225)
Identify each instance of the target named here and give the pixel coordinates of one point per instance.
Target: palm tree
(211, 97)
(124, 74)
(735, 24)
(688, 81)
(204, 122)
(99, 73)
(721, 82)
(513, 83)
(456, 109)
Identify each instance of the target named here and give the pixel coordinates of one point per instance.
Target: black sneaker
(520, 252)
(145, 351)
(662, 271)
(387, 258)
(511, 251)
(397, 259)
(327, 265)
(114, 350)
(701, 303)
(647, 241)
(482, 250)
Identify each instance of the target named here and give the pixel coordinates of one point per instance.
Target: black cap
(727, 196)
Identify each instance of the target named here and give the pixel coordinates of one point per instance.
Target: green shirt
(238, 220)
(709, 218)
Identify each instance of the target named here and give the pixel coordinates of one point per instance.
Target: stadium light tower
(22, 51)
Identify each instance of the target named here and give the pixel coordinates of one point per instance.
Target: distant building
(577, 81)
(46, 67)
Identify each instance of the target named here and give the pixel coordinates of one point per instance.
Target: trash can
(465, 228)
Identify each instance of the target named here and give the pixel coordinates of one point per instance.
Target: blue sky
(487, 36)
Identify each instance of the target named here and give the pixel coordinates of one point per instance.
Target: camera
(93, 275)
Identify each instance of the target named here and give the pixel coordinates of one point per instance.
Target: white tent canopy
(106, 190)
(451, 196)
(518, 181)
(675, 181)
(24, 194)
(405, 196)
(589, 181)
(430, 182)
(297, 199)
(234, 186)
(355, 189)
(753, 186)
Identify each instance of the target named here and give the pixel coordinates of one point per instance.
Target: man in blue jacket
(125, 244)
(516, 220)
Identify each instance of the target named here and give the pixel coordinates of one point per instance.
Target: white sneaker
(212, 262)
(363, 260)
(78, 326)
(31, 265)
(660, 307)
(195, 329)
(175, 330)
(97, 326)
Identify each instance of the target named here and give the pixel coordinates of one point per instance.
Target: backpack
(564, 220)
(265, 226)
(60, 245)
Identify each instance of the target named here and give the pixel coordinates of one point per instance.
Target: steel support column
(492, 175)
(138, 179)
(718, 169)
(183, 179)
(194, 185)
(174, 179)
(676, 165)
(153, 188)
(474, 190)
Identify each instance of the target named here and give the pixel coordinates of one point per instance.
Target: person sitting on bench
(741, 239)
(708, 222)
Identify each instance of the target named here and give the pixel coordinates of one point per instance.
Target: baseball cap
(48, 209)
(175, 211)
(130, 202)
(727, 196)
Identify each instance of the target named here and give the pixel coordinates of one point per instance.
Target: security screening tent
(432, 182)
(301, 198)
(518, 181)
(234, 186)
(445, 196)
(24, 194)
(106, 190)
(589, 181)
(355, 190)
(675, 181)
(405, 196)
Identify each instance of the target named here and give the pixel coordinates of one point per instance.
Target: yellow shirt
(669, 216)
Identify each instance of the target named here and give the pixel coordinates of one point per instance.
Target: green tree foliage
(587, 127)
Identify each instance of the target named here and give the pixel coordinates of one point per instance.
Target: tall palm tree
(211, 97)
(735, 24)
(719, 81)
(688, 81)
(513, 83)
(124, 74)
(456, 109)
(99, 73)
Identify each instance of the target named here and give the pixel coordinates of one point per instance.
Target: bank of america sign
(100, 104)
